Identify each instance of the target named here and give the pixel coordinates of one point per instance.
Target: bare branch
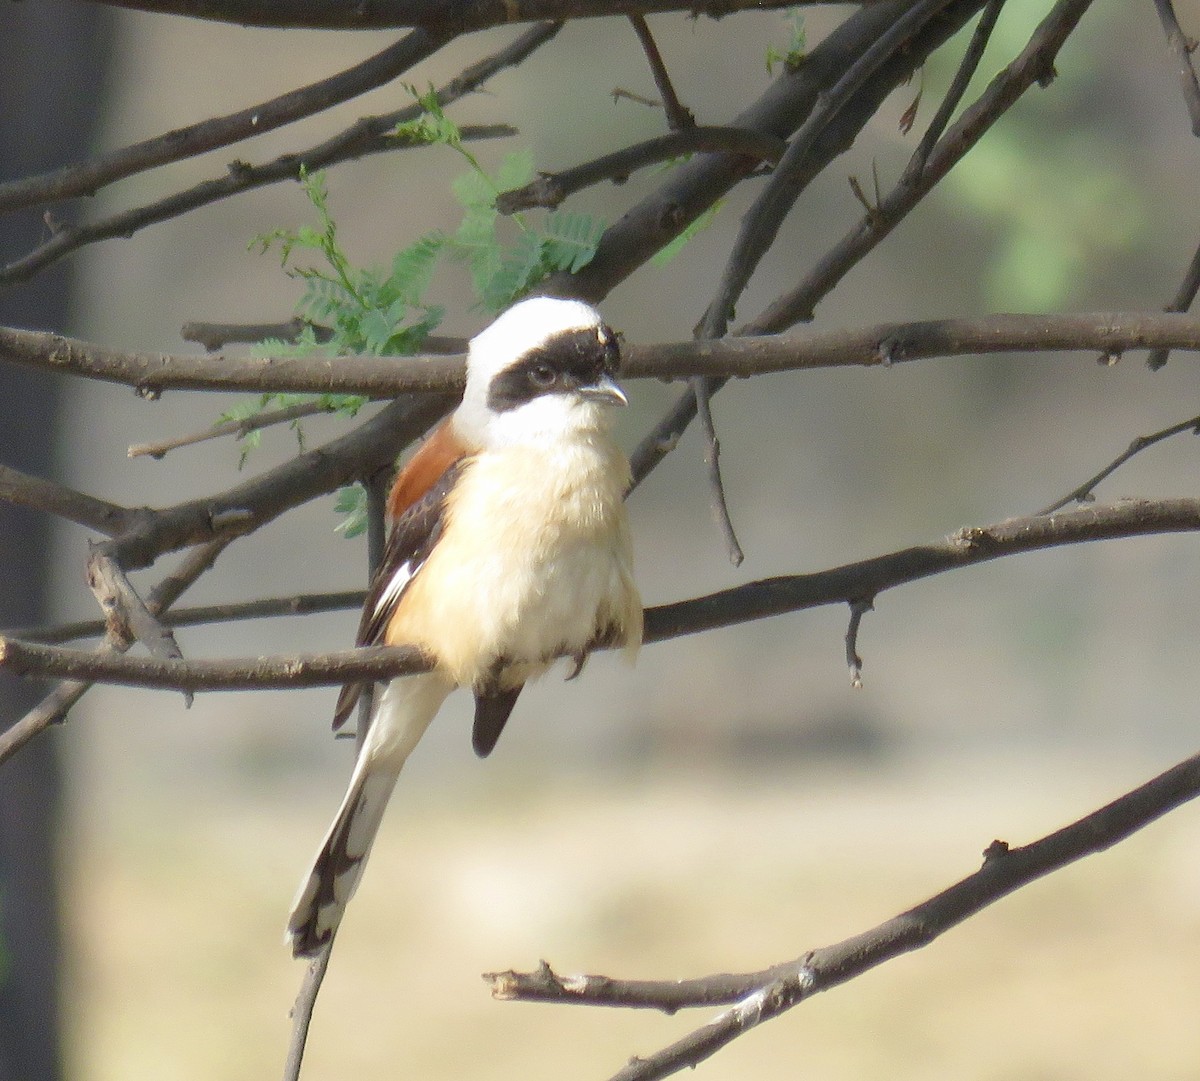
(63, 502)
(125, 613)
(756, 600)
(796, 169)
(302, 1009)
(1182, 47)
(550, 189)
(302, 604)
(461, 15)
(697, 185)
(760, 996)
(237, 428)
(678, 115)
(1084, 492)
(1181, 302)
(958, 87)
(702, 390)
(257, 673)
(368, 135)
(1035, 64)
(86, 178)
(1112, 333)
(54, 707)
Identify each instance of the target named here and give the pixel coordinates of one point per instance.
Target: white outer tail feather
(403, 713)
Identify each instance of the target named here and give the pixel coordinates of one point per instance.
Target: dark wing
(491, 714)
(412, 539)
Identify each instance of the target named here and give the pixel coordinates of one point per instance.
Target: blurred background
(732, 801)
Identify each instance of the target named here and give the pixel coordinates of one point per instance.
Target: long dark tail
(405, 709)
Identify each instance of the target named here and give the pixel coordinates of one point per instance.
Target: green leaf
(672, 248)
(351, 502)
(571, 240)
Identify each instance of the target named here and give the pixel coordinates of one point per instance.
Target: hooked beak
(604, 391)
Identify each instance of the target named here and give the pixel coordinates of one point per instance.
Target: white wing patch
(396, 586)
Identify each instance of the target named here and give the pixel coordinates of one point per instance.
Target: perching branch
(761, 996)
(726, 608)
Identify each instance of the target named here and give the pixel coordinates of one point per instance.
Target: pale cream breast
(535, 561)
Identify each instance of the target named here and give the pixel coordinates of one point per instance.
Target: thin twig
(1181, 302)
(678, 115)
(237, 428)
(858, 609)
(1085, 491)
(301, 604)
(702, 390)
(761, 996)
(958, 87)
(302, 1010)
(1183, 47)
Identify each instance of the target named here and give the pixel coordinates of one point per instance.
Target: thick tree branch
(550, 189)
(63, 502)
(86, 178)
(697, 185)
(249, 505)
(760, 996)
(1112, 333)
(459, 15)
(741, 604)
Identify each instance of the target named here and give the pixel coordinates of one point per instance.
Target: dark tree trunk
(52, 60)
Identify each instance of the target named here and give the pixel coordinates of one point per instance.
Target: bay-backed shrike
(509, 548)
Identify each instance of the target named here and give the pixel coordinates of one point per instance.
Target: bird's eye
(542, 376)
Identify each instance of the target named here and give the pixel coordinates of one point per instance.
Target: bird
(509, 548)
